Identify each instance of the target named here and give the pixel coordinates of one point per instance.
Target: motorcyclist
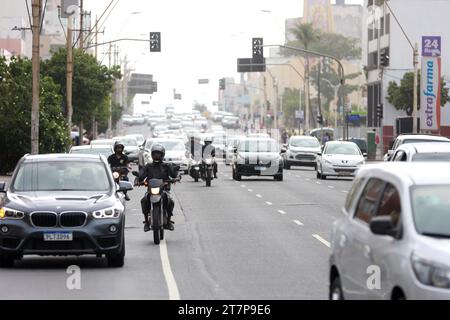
(119, 159)
(208, 151)
(158, 170)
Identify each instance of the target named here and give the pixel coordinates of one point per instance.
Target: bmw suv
(62, 204)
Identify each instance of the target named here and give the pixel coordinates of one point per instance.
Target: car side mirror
(235, 149)
(382, 226)
(364, 154)
(319, 153)
(125, 186)
(283, 150)
(2, 186)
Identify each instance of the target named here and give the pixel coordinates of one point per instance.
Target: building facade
(382, 34)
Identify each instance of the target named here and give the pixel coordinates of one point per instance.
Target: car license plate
(58, 236)
(261, 168)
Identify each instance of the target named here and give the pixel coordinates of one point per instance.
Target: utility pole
(36, 12)
(96, 37)
(110, 96)
(307, 98)
(81, 25)
(69, 74)
(416, 63)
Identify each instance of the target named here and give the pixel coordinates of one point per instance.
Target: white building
(418, 18)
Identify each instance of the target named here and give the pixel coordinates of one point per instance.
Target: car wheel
(6, 260)
(279, 177)
(238, 177)
(117, 260)
(336, 290)
(323, 177)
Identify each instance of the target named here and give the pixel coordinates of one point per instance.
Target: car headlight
(431, 274)
(108, 213)
(360, 163)
(155, 191)
(6, 213)
(328, 162)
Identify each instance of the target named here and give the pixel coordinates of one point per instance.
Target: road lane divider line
(318, 182)
(242, 185)
(325, 242)
(297, 176)
(250, 190)
(269, 203)
(259, 196)
(281, 211)
(331, 187)
(308, 179)
(174, 294)
(344, 191)
(298, 222)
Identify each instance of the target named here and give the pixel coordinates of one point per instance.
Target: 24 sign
(431, 46)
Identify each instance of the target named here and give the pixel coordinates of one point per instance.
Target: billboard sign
(430, 84)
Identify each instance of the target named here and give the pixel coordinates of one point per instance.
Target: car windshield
(62, 176)
(258, 146)
(343, 148)
(171, 145)
(104, 151)
(129, 142)
(305, 143)
(421, 140)
(431, 210)
(431, 157)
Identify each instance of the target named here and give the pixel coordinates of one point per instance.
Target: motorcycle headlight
(431, 274)
(116, 175)
(6, 213)
(108, 213)
(155, 191)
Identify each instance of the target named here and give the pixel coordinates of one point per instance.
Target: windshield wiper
(436, 235)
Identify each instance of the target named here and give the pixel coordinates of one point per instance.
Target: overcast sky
(200, 39)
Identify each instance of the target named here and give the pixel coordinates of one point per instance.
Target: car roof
(340, 142)
(94, 146)
(62, 156)
(424, 147)
(304, 137)
(411, 173)
(422, 136)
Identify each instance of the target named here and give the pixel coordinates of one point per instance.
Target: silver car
(415, 152)
(393, 239)
(301, 151)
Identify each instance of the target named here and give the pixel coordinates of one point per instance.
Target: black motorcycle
(194, 170)
(158, 212)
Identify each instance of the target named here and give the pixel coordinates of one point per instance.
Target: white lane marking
(325, 242)
(319, 182)
(174, 294)
(269, 203)
(308, 179)
(297, 176)
(331, 187)
(297, 222)
(250, 190)
(281, 211)
(259, 196)
(242, 185)
(344, 191)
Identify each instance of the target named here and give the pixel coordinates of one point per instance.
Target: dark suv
(62, 204)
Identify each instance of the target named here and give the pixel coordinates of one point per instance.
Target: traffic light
(222, 84)
(384, 57)
(257, 49)
(319, 119)
(380, 111)
(155, 41)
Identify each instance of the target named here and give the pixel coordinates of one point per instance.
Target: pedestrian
(284, 136)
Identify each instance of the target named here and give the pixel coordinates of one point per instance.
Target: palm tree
(306, 34)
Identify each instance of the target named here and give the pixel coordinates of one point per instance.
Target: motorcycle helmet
(118, 145)
(208, 140)
(158, 152)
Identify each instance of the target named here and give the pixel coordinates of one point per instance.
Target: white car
(412, 138)
(339, 159)
(131, 147)
(393, 239)
(420, 152)
(175, 152)
(139, 137)
(301, 151)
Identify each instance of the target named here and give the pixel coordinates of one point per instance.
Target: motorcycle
(120, 173)
(194, 170)
(158, 212)
(208, 166)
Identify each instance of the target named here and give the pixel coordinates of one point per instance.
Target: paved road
(254, 239)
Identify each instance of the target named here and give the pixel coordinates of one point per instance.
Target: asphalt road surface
(253, 239)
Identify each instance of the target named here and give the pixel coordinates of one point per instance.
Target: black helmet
(208, 140)
(158, 149)
(117, 144)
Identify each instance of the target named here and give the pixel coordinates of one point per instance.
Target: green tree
(200, 107)
(401, 96)
(15, 113)
(92, 84)
(290, 105)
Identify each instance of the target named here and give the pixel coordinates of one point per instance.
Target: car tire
(336, 290)
(6, 260)
(323, 177)
(238, 177)
(279, 177)
(117, 260)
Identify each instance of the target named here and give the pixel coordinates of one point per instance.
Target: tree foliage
(290, 105)
(92, 84)
(401, 96)
(15, 114)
